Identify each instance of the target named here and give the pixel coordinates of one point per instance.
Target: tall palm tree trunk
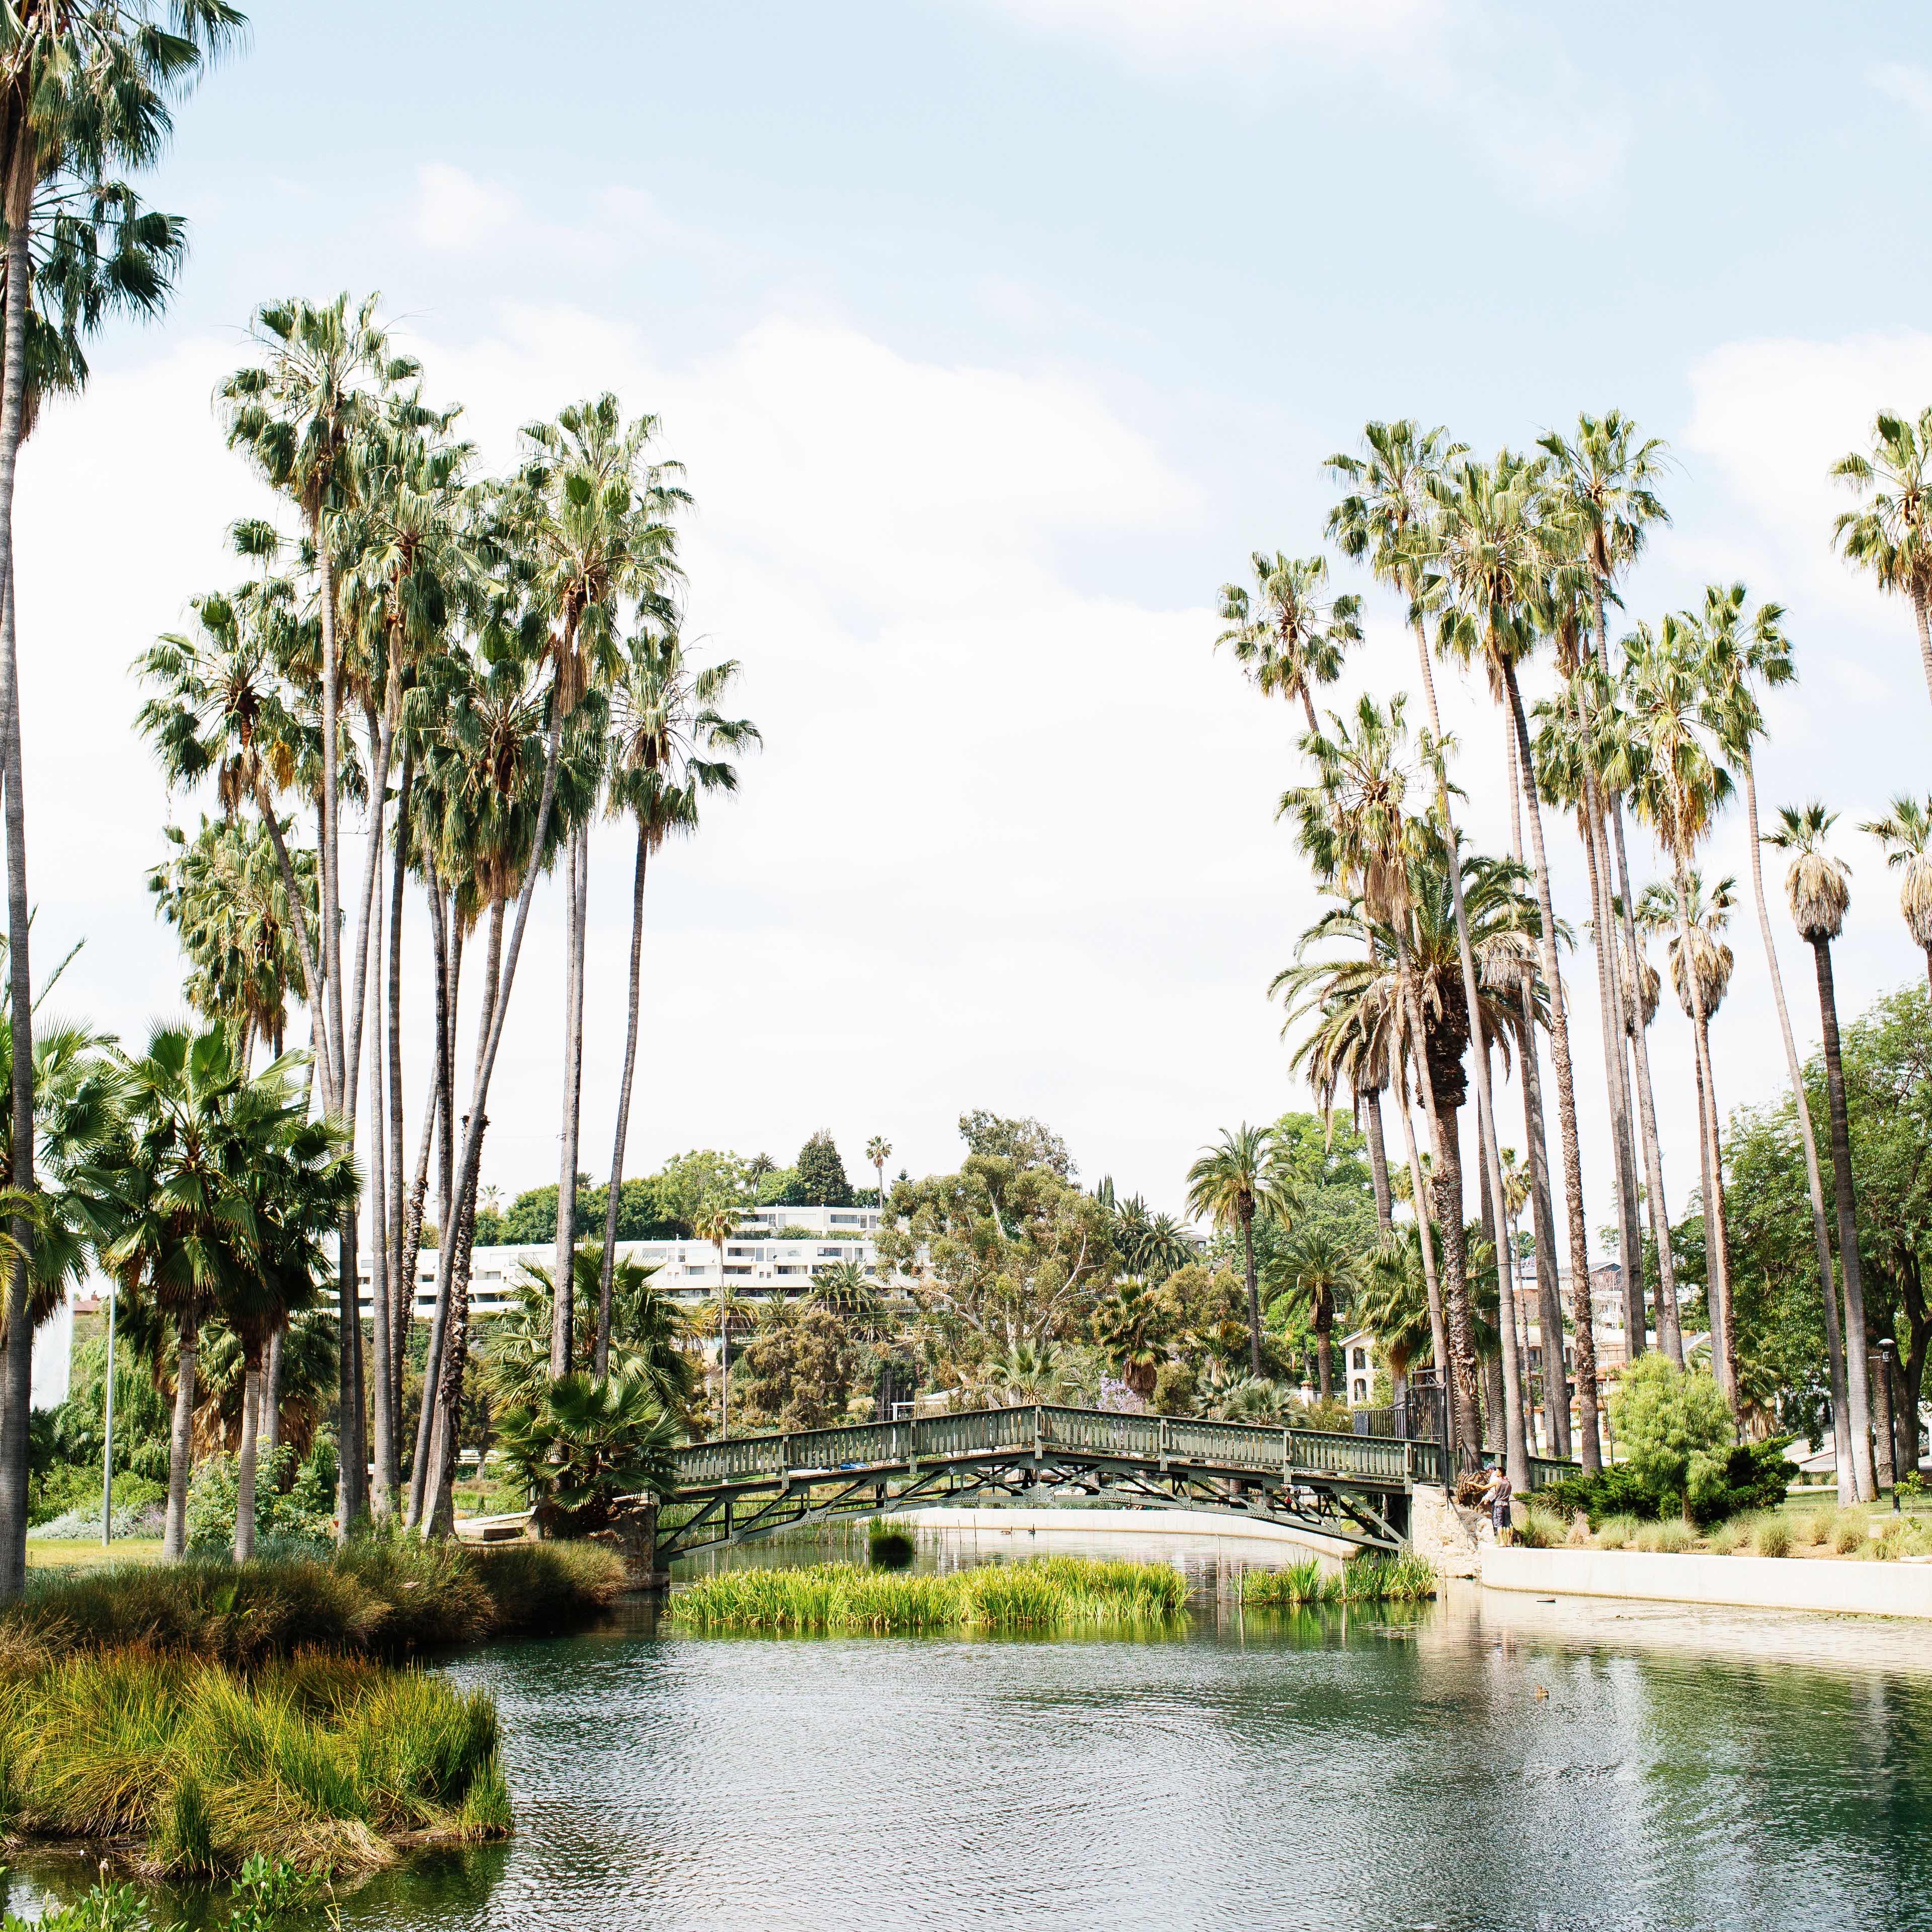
(1717, 1248)
(1922, 617)
(1549, 1289)
(1592, 1454)
(400, 1276)
(181, 1439)
(1616, 1071)
(607, 1268)
(1438, 1327)
(1515, 1440)
(245, 1463)
(447, 1447)
(1828, 1287)
(381, 1329)
(1372, 1102)
(563, 1305)
(1247, 1275)
(1857, 1386)
(271, 1392)
(16, 1390)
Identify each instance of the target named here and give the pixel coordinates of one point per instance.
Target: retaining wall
(1761, 1583)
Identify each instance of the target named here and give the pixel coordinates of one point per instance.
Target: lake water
(1488, 1762)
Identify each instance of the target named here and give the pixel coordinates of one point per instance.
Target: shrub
(1616, 1490)
(1816, 1528)
(1728, 1536)
(887, 1548)
(296, 1519)
(1747, 1476)
(536, 1587)
(1538, 1529)
(1772, 1537)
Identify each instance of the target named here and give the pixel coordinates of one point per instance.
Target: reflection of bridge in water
(1356, 1488)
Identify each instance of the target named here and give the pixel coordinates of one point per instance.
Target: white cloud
(1549, 134)
(1910, 86)
(455, 214)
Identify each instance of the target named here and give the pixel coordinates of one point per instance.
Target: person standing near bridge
(1499, 1495)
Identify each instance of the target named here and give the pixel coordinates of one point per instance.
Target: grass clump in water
(328, 1761)
(1055, 1593)
(1406, 1578)
(886, 1547)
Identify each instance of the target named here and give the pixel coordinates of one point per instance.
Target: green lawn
(62, 1552)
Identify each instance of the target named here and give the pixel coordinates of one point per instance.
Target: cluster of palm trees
(88, 96)
(476, 667)
(1434, 961)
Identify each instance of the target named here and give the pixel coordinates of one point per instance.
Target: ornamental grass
(385, 1596)
(1054, 1593)
(329, 1761)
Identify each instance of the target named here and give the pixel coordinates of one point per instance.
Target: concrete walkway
(1900, 1589)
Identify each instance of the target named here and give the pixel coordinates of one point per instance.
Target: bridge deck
(1355, 1487)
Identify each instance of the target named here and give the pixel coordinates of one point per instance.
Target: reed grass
(1770, 1536)
(1672, 1537)
(1406, 1578)
(1540, 1529)
(329, 1761)
(1851, 1531)
(1053, 1593)
(387, 1596)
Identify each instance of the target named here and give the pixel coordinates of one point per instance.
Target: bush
(1772, 1537)
(297, 1519)
(72, 1489)
(1665, 1416)
(1728, 1536)
(1748, 1476)
(1670, 1536)
(1616, 1490)
(1851, 1531)
(1538, 1529)
(1616, 1532)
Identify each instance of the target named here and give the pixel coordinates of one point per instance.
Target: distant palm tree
(1133, 1323)
(1817, 886)
(1244, 1175)
(878, 1151)
(1889, 534)
(1030, 1371)
(1740, 653)
(1319, 1274)
(716, 1222)
(1288, 636)
(667, 736)
(1905, 833)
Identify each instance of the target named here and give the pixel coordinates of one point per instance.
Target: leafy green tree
(797, 1370)
(1024, 1143)
(821, 1173)
(1667, 1419)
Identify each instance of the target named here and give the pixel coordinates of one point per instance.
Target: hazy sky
(995, 335)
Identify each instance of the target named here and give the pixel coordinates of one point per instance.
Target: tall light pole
(107, 1451)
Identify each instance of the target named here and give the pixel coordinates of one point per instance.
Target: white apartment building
(757, 1260)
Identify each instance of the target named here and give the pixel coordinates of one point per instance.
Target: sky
(994, 336)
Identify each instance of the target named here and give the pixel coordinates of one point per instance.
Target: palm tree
(188, 1231)
(666, 733)
(716, 1222)
(1388, 514)
(587, 523)
(1887, 534)
(878, 1151)
(1245, 1173)
(1319, 1274)
(1906, 833)
(1705, 921)
(1030, 1371)
(1678, 786)
(1602, 482)
(1356, 990)
(86, 91)
(1817, 886)
(1491, 554)
(299, 1180)
(1133, 1323)
(1289, 637)
(1739, 653)
(588, 1447)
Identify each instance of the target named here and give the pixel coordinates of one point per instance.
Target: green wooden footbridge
(1355, 1488)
